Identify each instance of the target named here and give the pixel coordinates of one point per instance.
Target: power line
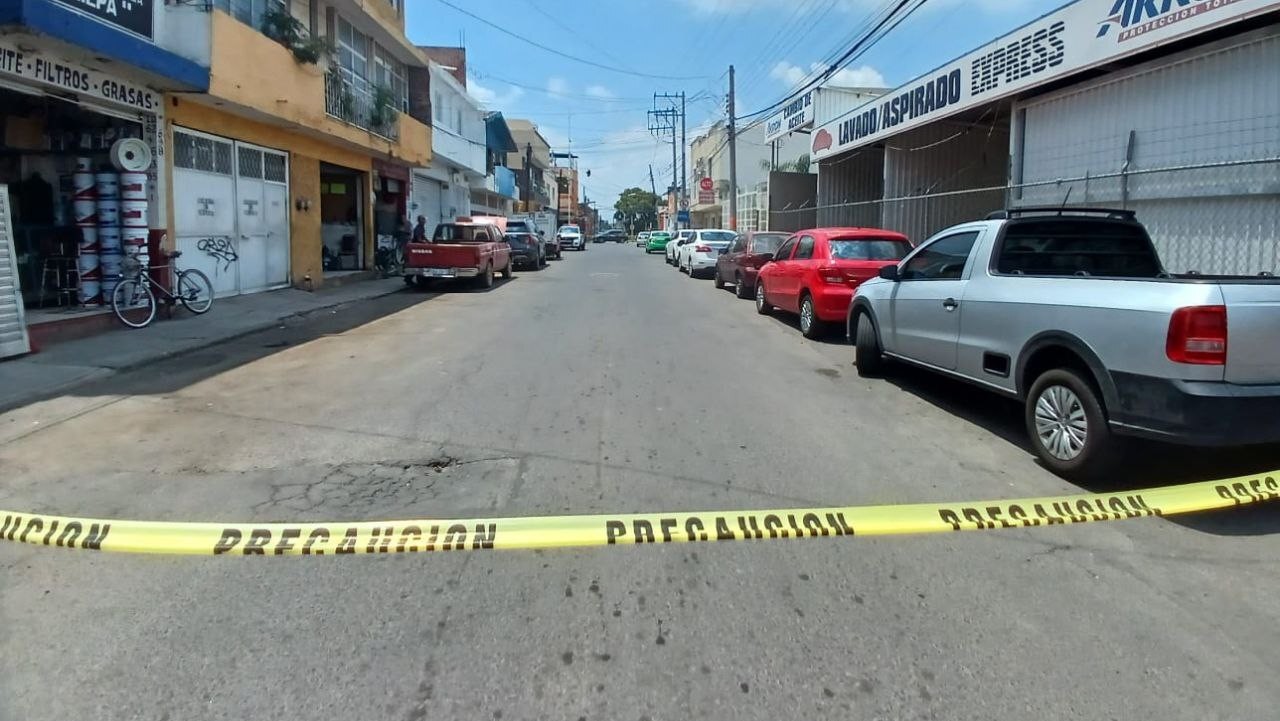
(853, 53)
(561, 53)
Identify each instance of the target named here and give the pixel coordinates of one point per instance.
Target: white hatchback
(699, 255)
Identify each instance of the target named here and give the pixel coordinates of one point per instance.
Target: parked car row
(480, 247)
(1068, 311)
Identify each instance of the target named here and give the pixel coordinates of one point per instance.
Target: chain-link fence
(1215, 218)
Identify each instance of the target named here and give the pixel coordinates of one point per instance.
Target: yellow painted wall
(252, 71)
(305, 155)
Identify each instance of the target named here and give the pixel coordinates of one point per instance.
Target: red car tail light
(1198, 335)
(702, 249)
(831, 275)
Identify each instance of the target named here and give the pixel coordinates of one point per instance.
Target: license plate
(439, 272)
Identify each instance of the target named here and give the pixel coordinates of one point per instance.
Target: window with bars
(274, 168)
(197, 152)
(391, 73)
(353, 54)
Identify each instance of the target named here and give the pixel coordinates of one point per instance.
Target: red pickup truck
(465, 248)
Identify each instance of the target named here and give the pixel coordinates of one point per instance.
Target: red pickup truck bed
(466, 248)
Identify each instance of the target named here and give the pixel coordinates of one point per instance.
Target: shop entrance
(341, 218)
(231, 211)
(55, 154)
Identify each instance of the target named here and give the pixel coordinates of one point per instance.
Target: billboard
(797, 114)
(1081, 35)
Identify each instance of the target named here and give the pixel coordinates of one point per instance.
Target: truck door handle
(949, 304)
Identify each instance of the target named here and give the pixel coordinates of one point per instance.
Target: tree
(637, 209)
(799, 165)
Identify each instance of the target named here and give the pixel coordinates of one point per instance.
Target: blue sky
(772, 43)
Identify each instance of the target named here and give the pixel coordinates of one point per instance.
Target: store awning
(131, 47)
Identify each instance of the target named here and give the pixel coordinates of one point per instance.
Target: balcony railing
(359, 106)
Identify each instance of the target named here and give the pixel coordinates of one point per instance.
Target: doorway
(341, 218)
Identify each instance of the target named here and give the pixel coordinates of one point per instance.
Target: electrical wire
(561, 53)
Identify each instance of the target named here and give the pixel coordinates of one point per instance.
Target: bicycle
(134, 301)
(388, 256)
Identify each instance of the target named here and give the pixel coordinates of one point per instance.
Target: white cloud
(863, 76)
(491, 98)
(557, 87)
(600, 91)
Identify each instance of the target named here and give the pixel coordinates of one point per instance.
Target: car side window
(943, 259)
(739, 244)
(784, 252)
(804, 250)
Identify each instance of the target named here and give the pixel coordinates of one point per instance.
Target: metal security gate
(13, 327)
(425, 200)
(231, 211)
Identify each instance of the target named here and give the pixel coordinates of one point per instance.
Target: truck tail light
(1198, 335)
(702, 249)
(831, 275)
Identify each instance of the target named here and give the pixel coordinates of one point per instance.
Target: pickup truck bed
(459, 250)
(1012, 304)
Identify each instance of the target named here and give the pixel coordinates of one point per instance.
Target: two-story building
(298, 153)
(81, 84)
(442, 190)
(531, 163)
(497, 193)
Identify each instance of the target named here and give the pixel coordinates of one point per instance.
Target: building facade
(531, 163)
(293, 162)
(1170, 110)
(442, 191)
(81, 87)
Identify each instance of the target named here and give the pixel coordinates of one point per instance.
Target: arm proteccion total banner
(413, 536)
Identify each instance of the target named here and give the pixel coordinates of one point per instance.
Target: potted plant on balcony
(383, 110)
(281, 26)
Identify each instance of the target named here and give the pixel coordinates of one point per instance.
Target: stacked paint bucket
(108, 187)
(133, 217)
(85, 208)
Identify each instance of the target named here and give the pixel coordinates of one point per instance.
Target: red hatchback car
(815, 272)
(739, 264)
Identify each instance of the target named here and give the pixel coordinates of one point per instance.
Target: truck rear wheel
(506, 272)
(1067, 426)
(486, 277)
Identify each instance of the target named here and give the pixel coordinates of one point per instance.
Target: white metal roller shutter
(13, 327)
(1190, 143)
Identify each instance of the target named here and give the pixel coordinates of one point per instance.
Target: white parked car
(570, 236)
(677, 240)
(698, 256)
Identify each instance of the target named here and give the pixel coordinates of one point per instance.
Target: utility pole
(661, 123)
(653, 187)
(733, 161)
(684, 167)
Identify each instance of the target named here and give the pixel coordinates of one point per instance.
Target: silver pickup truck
(1069, 311)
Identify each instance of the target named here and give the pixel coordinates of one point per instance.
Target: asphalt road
(608, 382)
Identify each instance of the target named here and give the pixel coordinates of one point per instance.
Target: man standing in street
(420, 230)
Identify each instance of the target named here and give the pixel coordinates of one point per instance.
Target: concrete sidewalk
(66, 365)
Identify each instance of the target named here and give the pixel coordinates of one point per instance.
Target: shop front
(78, 167)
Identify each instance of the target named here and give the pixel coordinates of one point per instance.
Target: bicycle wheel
(134, 303)
(195, 292)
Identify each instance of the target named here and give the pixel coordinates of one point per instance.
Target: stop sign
(705, 183)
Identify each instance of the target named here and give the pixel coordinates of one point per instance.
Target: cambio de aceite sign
(1086, 33)
(796, 114)
(34, 66)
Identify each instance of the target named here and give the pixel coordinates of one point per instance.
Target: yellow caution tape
(414, 536)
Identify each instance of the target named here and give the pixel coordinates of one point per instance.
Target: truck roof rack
(1060, 210)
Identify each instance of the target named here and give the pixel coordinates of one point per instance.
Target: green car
(658, 240)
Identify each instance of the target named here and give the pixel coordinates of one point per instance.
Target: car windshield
(869, 248)
(517, 226)
(519, 238)
(766, 242)
(717, 236)
(452, 233)
(570, 230)
(660, 236)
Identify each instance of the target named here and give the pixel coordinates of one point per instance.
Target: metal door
(251, 226)
(13, 326)
(425, 195)
(275, 208)
(924, 321)
(204, 208)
